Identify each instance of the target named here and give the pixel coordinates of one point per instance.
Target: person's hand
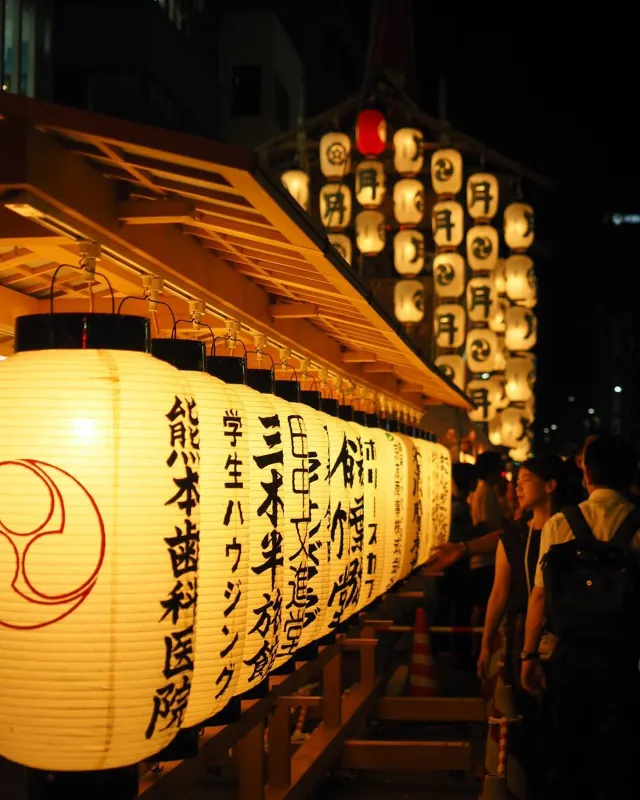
(483, 663)
(445, 556)
(532, 678)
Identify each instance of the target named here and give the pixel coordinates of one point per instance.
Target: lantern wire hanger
(152, 288)
(89, 254)
(285, 355)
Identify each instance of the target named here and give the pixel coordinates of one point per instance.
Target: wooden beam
(358, 357)
(378, 366)
(410, 388)
(15, 304)
(432, 709)
(155, 212)
(404, 755)
(294, 310)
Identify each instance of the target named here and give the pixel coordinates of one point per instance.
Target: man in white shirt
(594, 690)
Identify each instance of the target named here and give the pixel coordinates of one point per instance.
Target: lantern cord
(225, 339)
(268, 355)
(294, 375)
(75, 266)
(157, 302)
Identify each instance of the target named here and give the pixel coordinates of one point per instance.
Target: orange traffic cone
(422, 673)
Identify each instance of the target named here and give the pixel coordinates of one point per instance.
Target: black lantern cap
(262, 380)
(393, 426)
(288, 390)
(329, 406)
(345, 412)
(383, 423)
(402, 427)
(230, 369)
(311, 398)
(184, 354)
(360, 417)
(77, 331)
(372, 420)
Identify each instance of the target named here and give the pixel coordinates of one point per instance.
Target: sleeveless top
(514, 541)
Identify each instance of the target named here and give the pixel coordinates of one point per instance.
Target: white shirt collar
(606, 496)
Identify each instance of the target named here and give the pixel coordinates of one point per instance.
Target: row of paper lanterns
(167, 539)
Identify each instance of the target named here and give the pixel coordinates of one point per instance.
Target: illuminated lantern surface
(408, 253)
(499, 277)
(371, 132)
(481, 299)
(296, 182)
(91, 492)
(370, 183)
(415, 505)
(519, 226)
(497, 320)
(449, 273)
(370, 232)
(501, 355)
(397, 511)
(483, 194)
(482, 248)
(515, 427)
(520, 377)
(335, 149)
(335, 205)
(447, 223)
(520, 454)
(450, 325)
(453, 368)
(352, 581)
(520, 280)
(407, 151)
(481, 350)
(343, 245)
(495, 431)
(484, 399)
(521, 329)
(446, 171)
(426, 523)
(408, 201)
(408, 296)
(502, 400)
(376, 468)
(439, 472)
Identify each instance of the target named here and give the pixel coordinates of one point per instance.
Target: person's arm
(495, 608)
(531, 675)
(447, 554)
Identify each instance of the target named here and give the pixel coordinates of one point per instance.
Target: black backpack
(592, 588)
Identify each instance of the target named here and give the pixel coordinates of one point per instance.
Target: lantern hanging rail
(149, 300)
(79, 267)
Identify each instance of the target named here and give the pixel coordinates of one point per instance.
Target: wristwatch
(466, 550)
(532, 656)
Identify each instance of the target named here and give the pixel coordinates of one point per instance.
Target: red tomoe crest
(47, 520)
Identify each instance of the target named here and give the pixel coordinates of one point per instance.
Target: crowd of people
(552, 556)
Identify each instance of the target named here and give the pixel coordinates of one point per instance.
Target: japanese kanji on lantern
(296, 182)
(481, 394)
(408, 253)
(335, 150)
(99, 521)
(343, 245)
(370, 232)
(480, 350)
(520, 280)
(408, 298)
(449, 275)
(483, 195)
(482, 248)
(481, 300)
(408, 157)
(446, 171)
(415, 504)
(408, 201)
(376, 469)
(520, 377)
(370, 184)
(515, 427)
(453, 368)
(450, 326)
(519, 228)
(335, 205)
(520, 329)
(447, 224)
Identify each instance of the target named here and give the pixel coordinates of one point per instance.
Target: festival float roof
(205, 218)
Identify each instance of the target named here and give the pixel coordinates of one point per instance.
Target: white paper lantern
(375, 447)
(482, 248)
(483, 194)
(495, 431)
(499, 277)
(408, 158)
(501, 355)
(439, 476)
(397, 512)
(343, 245)
(447, 223)
(515, 428)
(356, 518)
(408, 300)
(335, 205)
(408, 252)
(335, 149)
(520, 280)
(521, 329)
(481, 299)
(370, 183)
(408, 201)
(426, 523)
(449, 326)
(520, 454)
(446, 171)
(481, 350)
(449, 275)
(415, 505)
(519, 227)
(296, 182)
(481, 395)
(520, 378)
(370, 232)
(502, 400)
(98, 524)
(453, 368)
(497, 320)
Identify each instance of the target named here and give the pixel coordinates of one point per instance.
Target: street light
(591, 411)
(617, 389)
(554, 427)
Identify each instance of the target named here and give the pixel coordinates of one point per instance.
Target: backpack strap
(625, 533)
(578, 524)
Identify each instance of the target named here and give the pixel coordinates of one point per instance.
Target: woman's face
(531, 490)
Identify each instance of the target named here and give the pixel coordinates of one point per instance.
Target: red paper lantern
(371, 132)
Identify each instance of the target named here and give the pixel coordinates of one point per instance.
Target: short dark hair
(464, 477)
(487, 464)
(611, 461)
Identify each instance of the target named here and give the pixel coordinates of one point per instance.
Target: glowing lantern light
(371, 132)
(408, 201)
(408, 253)
(520, 280)
(397, 511)
(483, 194)
(414, 505)
(375, 510)
(497, 320)
(520, 454)
(437, 471)
(407, 151)
(370, 232)
(89, 490)
(519, 227)
(335, 149)
(449, 326)
(449, 272)
(335, 205)
(520, 378)
(482, 247)
(501, 355)
(408, 296)
(343, 245)
(515, 427)
(484, 399)
(481, 350)
(502, 400)
(370, 184)
(521, 329)
(447, 224)
(446, 171)
(296, 182)
(453, 368)
(495, 431)
(481, 299)
(499, 277)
